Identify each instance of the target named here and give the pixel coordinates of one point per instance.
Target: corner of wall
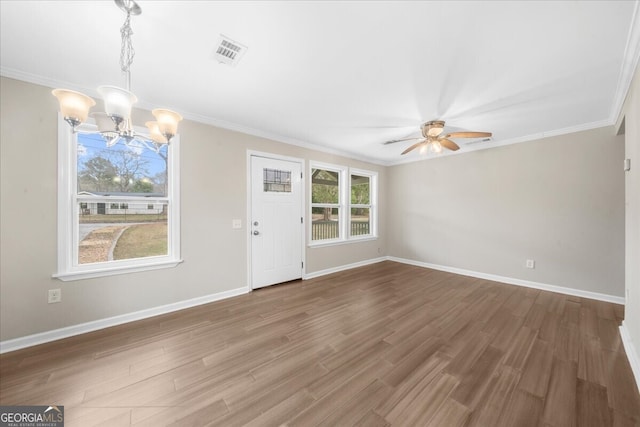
(632, 355)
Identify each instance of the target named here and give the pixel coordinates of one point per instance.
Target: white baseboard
(343, 267)
(632, 354)
(44, 337)
(56, 334)
(512, 281)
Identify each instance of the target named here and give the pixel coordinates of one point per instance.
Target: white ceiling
(345, 76)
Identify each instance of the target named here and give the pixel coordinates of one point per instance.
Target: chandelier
(114, 124)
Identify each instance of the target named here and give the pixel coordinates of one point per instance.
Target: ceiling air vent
(228, 51)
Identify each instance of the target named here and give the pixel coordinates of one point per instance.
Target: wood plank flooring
(386, 344)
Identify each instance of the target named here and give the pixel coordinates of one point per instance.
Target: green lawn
(142, 240)
(122, 218)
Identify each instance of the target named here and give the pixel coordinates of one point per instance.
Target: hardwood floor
(386, 344)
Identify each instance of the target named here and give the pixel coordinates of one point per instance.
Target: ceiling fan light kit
(115, 124)
(433, 139)
(435, 147)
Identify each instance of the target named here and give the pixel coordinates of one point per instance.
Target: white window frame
(68, 213)
(372, 206)
(340, 170)
(344, 204)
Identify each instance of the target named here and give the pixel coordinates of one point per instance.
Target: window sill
(90, 274)
(321, 244)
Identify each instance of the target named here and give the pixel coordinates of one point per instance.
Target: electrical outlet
(236, 224)
(531, 263)
(55, 295)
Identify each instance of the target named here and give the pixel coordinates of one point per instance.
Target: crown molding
(511, 141)
(629, 65)
(632, 53)
(223, 124)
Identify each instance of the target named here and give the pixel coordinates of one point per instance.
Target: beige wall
(631, 113)
(213, 184)
(559, 201)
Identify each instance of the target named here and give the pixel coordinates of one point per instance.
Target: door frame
(247, 228)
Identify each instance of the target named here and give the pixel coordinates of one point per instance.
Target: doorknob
(256, 232)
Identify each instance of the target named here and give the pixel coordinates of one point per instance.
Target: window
(342, 204)
(118, 208)
(360, 218)
(277, 181)
(325, 204)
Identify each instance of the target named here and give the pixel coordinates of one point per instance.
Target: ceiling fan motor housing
(432, 128)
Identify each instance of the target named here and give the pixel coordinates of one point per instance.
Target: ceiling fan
(433, 139)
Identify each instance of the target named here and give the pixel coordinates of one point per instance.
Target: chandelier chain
(126, 51)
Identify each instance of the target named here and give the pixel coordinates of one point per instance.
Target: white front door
(276, 221)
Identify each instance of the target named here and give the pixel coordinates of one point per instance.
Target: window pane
(325, 223)
(360, 193)
(108, 234)
(360, 221)
(277, 181)
(325, 186)
(131, 169)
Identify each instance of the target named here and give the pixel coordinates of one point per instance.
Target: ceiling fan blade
(414, 146)
(467, 135)
(393, 141)
(447, 143)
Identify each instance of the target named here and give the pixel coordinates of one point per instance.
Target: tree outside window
(341, 210)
